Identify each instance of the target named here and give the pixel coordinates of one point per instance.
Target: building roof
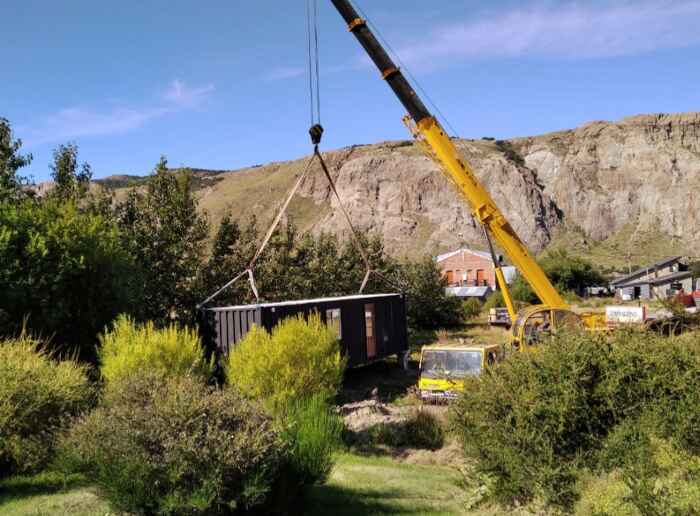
(302, 302)
(643, 270)
(669, 278)
(480, 254)
(468, 291)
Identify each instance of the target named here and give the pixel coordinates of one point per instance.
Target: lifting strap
(249, 271)
(315, 132)
(266, 240)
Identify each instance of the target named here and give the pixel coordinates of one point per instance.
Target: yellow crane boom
(433, 138)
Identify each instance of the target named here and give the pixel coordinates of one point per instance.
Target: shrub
(175, 446)
(536, 420)
(64, 271)
(37, 395)
(648, 475)
(301, 358)
(313, 431)
(495, 300)
(173, 351)
(471, 308)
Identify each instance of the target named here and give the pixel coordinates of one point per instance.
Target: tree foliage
(64, 273)
(167, 236)
(71, 181)
(11, 161)
(428, 305)
(570, 273)
(292, 266)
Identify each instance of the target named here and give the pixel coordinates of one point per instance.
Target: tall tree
(71, 180)
(168, 237)
(11, 161)
(64, 274)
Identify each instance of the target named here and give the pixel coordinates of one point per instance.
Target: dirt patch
(449, 455)
(363, 417)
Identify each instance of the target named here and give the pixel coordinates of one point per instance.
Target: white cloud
(285, 72)
(563, 31)
(76, 121)
(178, 93)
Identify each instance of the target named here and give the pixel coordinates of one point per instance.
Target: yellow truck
(443, 367)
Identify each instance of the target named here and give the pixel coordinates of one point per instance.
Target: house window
(333, 321)
(458, 276)
(480, 277)
(450, 277)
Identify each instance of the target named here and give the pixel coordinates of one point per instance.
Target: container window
(369, 331)
(333, 321)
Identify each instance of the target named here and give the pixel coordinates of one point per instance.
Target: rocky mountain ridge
(638, 176)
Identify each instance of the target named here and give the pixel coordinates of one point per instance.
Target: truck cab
(443, 367)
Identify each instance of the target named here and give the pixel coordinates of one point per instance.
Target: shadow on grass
(46, 483)
(339, 501)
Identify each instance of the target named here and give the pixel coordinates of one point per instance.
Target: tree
(70, 183)
(232, 250)
(570, 273)
(428, 305)
(64, 273)
(10, 163)
(167, 235)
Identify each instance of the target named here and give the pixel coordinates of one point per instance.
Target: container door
(370, 332)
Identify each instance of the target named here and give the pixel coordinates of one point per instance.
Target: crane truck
(531, 323)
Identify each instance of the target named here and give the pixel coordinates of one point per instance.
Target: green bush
(176, 446)
(173, 351)
(65, 272)
(299, 359)
(37, 395)
(471, 308)
(495, 300)
(650, 475)
(313, 432)
(535, 421)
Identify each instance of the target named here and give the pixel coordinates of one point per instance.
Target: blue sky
(221, 84)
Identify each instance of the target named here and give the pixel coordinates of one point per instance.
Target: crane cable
(316, 129)
(316, 132)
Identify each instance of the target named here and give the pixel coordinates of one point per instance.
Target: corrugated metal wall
(223, 328)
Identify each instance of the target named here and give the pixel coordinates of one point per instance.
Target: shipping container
(369, 327)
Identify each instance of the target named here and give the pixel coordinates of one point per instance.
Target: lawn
(358, 485)
(50, 494)
(380, 485)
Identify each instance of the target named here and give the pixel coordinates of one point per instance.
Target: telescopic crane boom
(433, 138)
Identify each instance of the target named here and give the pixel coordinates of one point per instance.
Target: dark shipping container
(369, 327)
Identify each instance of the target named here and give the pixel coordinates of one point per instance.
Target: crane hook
(316, 132)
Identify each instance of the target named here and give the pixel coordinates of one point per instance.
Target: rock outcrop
(641, 173)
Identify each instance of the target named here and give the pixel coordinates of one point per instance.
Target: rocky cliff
(638, 176)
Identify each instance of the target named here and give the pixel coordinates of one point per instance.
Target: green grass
(50, 494)
(380, 485)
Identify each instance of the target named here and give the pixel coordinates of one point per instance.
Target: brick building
(467, 268)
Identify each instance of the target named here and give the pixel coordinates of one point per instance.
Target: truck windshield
(450, 364)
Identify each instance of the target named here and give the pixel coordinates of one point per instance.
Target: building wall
(463, 268)
(664, 290)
